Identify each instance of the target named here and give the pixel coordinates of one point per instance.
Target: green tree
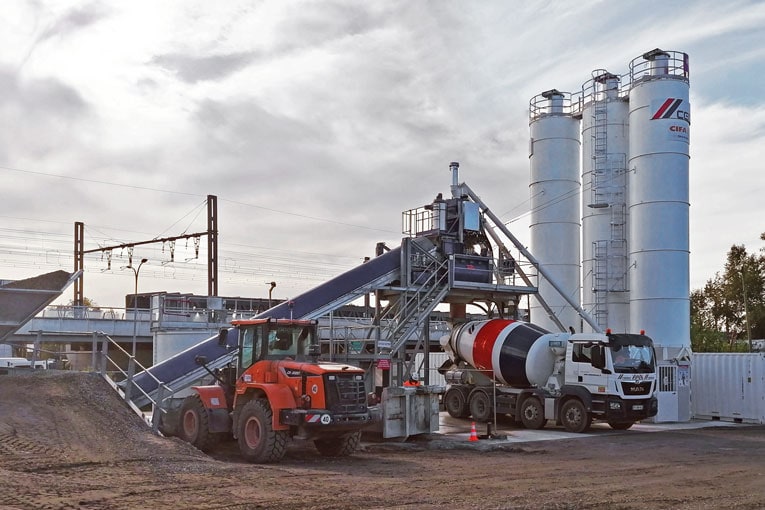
(731, 306)
(86, 301)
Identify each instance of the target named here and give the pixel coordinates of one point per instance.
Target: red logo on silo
(670, 109)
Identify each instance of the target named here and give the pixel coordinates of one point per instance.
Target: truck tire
(340, 446)
(480, 406)
(258, 441)
(194, 424)
(533, 414)
(574, 416)
(455, 402)
(621, 425)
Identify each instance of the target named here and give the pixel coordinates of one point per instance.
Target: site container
(729, 387)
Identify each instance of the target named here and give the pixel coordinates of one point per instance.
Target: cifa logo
(672, 109)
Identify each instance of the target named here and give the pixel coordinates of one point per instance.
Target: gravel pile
(76, 417)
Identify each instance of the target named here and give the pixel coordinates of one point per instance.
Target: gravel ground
(67, 441)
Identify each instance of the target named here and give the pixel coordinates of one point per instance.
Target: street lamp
(135, 299)
(746, 310)
(270, 290)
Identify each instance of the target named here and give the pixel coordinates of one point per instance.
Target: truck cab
(614, 375)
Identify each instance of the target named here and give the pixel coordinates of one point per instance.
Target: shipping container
(729, 387)
(436, 360)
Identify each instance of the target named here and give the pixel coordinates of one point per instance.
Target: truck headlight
(614, 405)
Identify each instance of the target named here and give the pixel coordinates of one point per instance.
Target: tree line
(730, 310)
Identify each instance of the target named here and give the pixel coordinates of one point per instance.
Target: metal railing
(121, 379)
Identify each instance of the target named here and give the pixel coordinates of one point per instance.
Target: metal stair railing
(415, 304)
(108, 368)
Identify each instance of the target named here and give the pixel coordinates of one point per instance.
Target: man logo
(670, 109)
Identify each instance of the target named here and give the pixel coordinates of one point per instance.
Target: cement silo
(605, 145)
(658, 199)
(555, 225)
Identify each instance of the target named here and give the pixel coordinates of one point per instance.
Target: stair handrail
(164, 391)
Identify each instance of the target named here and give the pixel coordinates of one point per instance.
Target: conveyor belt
(181, 371)
(340, 290)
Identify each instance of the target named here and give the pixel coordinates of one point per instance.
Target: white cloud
(333, 110)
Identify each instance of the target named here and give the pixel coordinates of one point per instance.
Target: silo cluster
(609, 198)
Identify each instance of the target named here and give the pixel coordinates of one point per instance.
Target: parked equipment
(276, 390)
(516, 368)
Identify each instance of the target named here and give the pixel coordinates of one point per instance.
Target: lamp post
(270, 290)
(135, 300)
(746, 310)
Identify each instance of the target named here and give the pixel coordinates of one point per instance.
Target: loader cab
(275, 339)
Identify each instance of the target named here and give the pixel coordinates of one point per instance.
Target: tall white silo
(554, 226)
(605, 146)
(658, 200)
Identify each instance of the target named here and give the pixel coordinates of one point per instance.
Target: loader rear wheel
(340, 446)
(455, 402)
(480, 406)
(258, 441)
(194, 426)
(575, 417)
(533, 414)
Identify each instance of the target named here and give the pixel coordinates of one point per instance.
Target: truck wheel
(194, 426)
(622, 425)
(455, 402)
(340, 446)
(258, 441)
(575, 417)
(533, 414)
(480, 406)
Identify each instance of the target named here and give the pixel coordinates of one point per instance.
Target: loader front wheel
(340, 446)
(258, 441)
(194, 426)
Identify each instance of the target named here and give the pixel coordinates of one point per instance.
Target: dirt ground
(67, 441)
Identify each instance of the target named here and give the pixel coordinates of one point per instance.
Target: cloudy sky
(316, 123)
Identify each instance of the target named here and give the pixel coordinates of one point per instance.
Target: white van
(22, 363)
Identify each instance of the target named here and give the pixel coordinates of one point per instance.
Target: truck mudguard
(576, 391)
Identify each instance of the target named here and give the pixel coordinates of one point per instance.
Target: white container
(436, 360)
(729, 387)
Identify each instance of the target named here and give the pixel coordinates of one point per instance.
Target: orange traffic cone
(473, 435)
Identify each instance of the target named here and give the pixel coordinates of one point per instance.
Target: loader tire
(340, 446)
(194, 425)
(621, 425)
(258, 441)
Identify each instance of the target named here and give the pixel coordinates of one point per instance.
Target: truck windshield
(632, 353)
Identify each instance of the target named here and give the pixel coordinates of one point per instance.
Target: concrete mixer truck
(519, 369)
